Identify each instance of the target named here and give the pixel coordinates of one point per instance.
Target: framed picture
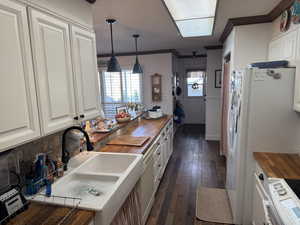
(156, 80)
(218, 78)
(121, 109)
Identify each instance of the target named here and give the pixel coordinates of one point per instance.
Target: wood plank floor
(194, 161)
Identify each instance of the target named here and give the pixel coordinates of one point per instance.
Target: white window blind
(120, 89)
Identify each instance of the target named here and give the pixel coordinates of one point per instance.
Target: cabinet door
(146, 188)
(52, 60)
(19, 121)
(86, 72)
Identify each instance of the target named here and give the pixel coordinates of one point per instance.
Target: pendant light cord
(111, 40)
(136, 50)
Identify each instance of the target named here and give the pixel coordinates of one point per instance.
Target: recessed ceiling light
(193, 18)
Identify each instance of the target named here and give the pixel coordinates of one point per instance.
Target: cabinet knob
(261, 176)
(158, 153)
(82, 116)
(76, 118)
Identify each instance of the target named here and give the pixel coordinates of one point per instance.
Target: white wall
(284, 45)
(194, 108)
(151, 64)
(247, 44)
(213, 98)
(80, 11)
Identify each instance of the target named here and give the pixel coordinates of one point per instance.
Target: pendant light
(137, 67)
(113, 64)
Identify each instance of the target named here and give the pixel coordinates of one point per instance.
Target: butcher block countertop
(279, 165)
(39, 214)
(141, 127)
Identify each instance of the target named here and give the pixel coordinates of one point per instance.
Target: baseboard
(210, 137)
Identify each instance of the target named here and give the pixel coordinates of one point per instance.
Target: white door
(19, 120)
(52, 59)
(86, 73)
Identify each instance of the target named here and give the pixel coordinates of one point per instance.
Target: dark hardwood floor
(194, 161)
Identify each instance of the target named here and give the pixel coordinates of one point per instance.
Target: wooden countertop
(141, 127)
(279, 165)
(97, 137)
(39, 214)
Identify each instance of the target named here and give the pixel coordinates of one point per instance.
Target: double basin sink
(97, 181)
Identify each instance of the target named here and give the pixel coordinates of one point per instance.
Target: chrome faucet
(65, 157)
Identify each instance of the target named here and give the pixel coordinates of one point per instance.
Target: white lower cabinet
(155, 162)
(146, 187)
(53, 65)
(19, 121)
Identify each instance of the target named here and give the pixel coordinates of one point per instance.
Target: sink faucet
(65, 157)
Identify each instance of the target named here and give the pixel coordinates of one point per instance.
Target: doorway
(194, 96)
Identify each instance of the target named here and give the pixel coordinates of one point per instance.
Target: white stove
(285, 203)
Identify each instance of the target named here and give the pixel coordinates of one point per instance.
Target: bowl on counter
(123, 120)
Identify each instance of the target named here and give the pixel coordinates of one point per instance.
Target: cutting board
(129, 140)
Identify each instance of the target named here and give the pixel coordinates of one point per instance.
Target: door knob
(76, 118)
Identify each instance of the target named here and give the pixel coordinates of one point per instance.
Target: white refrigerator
(261, 119)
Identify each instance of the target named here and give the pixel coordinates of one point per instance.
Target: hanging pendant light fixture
(113, 64)
(137, 67)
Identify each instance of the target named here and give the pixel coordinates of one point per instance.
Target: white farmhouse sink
(102, 182)
(108, 163)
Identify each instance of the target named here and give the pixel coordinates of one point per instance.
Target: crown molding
(160, 51)
(213, 47)
(271, 16)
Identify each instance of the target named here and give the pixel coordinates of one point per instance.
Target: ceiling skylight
(193, 18)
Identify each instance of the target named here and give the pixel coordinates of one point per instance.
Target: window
(119, 89)
(193, 18)
(195, 83)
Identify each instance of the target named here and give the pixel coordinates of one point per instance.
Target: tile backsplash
(20, 158)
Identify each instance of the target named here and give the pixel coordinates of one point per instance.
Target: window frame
(186, 84)
(102, 70)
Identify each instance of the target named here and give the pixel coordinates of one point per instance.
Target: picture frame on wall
(218, 78)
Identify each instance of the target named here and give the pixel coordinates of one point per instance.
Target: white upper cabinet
(18, 105)
(53, 67)
(86, 72)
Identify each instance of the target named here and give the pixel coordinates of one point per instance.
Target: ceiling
(151, 20)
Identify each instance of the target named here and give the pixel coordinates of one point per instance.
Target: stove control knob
(261, 176)
(278, 186)
(282, 192)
